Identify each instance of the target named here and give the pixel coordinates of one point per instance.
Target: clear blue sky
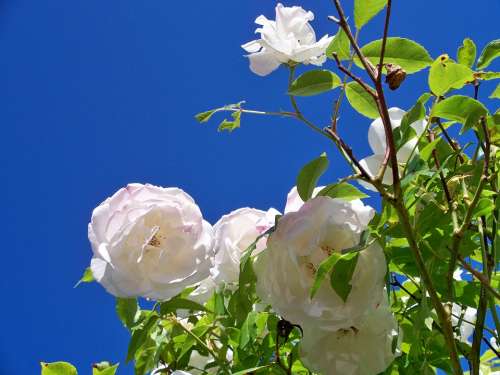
(96, 94)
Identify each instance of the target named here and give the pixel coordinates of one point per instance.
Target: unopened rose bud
(395, 76)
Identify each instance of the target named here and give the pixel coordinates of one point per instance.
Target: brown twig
(348, 150)
(367, 88)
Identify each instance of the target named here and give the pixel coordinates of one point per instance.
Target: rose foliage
(330, 286)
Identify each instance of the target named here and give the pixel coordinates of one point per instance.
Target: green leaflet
(496, 93)
(462, 109)
(340, 45)
(466, 54)
(324, 269)
(342, 272)
(445, 75)
(128, 311)
(410, 55)
(365, 10)
(309, 175)
(360, 100)
(314, 82)
(87, 277)
(343, 190)
(489, 53)
(58, 368)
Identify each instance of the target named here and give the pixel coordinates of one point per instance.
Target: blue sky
(96, 94)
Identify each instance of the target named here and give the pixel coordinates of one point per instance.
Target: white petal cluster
(378, 143)
(233, 234)
(363, 350)
(149, 241)
(305, 238)
(289, 38)
(356, 335)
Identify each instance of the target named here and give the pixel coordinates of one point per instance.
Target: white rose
(294, 202)
(234, 233)
(378, 142)
(149, 241)
(303, 239)
(466, 319)
(362, 350)
(288, 39)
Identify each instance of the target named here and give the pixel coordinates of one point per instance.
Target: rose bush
(149, 241)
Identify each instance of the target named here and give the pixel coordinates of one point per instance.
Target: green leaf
(178, 303)
(406, 53)
(104, 368)
(426, 151)
(230, 125)
(342, 272)
(360, 100)
(128, 311)
(405, 132)
(140, 335)
(314, 82)
(248, 330)
(466, 54)
(340, 45)
(205, 116)
(324, 269)
(490, 52)
(462, 109)
(496, 93)
(309, 175)
(445, 75)
(365, 10)
(343, 191)
(87, 277)
(58, 368)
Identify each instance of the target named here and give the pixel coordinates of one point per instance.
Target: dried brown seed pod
(395, 76)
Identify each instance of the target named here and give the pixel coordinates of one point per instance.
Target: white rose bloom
(149, 241)
(365, 350)
(303, 239)
(290, 38)
(234, 233)
(466, 319)
(294, 202)
(378, 142)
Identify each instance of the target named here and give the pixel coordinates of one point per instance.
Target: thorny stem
(443, 312)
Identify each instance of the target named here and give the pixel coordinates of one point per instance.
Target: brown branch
(342, 22)
(453, 144)
(384, 40)
(479, 276)
(343, 69)
(350, 154)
